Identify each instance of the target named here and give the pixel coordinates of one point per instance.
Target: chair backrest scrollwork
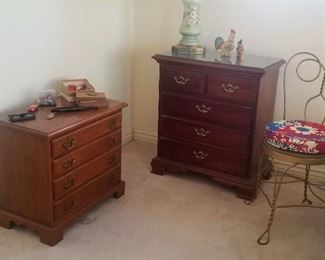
(320, 95)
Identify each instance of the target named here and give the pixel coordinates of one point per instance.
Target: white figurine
(226, 46)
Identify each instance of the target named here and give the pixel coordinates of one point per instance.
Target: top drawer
(233, 88)
(75, 139)
(178, 79)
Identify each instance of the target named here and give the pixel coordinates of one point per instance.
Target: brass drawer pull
(70, 206)
(112, 123)
(69, 143)
(112, 159)
(68, 164)
(200, 155)
(181, 80)
(229, 88)
(201, 132)
(68, 184)
(202, 108)
(113, 140)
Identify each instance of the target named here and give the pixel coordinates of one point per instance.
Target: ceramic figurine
(225, 46)
(240, 50)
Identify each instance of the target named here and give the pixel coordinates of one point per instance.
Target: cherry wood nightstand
(51, 171)
(212, 114)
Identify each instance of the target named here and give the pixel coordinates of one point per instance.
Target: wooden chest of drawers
(51, 171)
(212, 115)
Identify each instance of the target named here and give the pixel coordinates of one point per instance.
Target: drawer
(74, 179)
(86, 195)
(232, 88)
(182, 80)
(204, 133)
(75, 139)
(207, 111)
(84, 154)
(201, 156)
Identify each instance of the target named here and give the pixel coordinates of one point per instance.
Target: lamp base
(188, 50)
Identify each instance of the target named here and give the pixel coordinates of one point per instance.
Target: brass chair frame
(275, 154)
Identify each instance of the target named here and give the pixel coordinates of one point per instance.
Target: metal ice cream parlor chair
(298, 143)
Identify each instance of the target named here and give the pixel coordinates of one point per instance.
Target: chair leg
(264, 239)
(267, 232)
(262, 157)
(306, 186)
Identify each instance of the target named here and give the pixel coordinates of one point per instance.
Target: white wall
(269, 28)
(43, 42)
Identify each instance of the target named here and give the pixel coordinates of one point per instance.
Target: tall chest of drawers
(212, 114)
(51, 171)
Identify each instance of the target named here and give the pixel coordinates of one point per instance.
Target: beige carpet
(176, 218)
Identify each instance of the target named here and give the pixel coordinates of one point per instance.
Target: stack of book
(97, 99)
(82, 93)
(69, 88)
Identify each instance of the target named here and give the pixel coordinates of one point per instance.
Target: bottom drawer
(82, 197)
(201, 156)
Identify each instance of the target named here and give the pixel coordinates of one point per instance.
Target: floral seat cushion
(296, 136)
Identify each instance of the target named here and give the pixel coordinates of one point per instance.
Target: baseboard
(145, 137)
(315, 172)
(127, 137)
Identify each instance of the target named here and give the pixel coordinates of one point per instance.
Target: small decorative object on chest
(225, 46)
(240, 50)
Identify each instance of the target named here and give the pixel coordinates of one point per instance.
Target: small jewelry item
(50, 116)
(33, 108)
